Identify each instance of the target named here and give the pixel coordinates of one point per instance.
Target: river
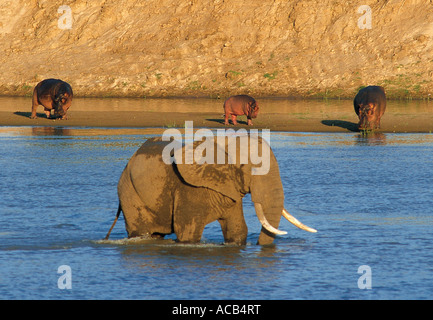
(369, 197)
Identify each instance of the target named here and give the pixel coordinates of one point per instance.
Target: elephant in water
(158, 199)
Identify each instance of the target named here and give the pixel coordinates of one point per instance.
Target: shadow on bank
(350, 126)
(368, 138)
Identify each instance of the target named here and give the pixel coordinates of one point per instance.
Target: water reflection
(288, 139)
(51, 131)
(71, 131)
(218, 257)
(278, 139)
(212, 252)
(267, 105)
(370, 139)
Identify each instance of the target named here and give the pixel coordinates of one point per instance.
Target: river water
(369, 197)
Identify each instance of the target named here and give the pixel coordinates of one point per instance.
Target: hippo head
(367, 116)
(62, 102)
(254, 109)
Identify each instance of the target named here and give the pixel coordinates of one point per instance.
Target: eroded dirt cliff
(214, 48)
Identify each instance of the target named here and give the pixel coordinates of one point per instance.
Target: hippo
(370, 104)
(52, 94)
(238, 106)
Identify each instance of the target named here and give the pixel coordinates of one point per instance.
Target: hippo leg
(33, 115)
(234, 119)
(226, 119)
(47, 112)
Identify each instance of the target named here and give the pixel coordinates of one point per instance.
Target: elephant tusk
(264, 222)
(296, 222)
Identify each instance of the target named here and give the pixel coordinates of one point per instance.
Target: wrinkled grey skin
(158, 199)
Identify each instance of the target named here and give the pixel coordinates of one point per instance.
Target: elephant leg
(234, 233)
(187, 227)
(140, 220)
(135, 225)
(189, 234)
(233, 226)
(191, 216)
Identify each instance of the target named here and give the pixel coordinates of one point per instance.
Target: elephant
(52, 94)
(159, 199)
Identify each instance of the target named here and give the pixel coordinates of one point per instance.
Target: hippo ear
(208, 172)
(251, 108)
(63, 97)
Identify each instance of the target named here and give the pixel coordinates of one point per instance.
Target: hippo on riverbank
(370, 104)
(52, 94)
(238, 106)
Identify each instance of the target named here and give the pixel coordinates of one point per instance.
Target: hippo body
(52, 94)
(370, 105)
(240, 105)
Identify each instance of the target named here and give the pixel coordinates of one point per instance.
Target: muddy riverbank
(275, 114)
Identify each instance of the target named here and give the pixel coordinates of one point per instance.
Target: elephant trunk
(268, 196)
(264, 221)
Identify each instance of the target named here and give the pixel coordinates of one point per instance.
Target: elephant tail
(115, 220)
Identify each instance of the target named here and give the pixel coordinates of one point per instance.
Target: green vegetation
(195, 85)
(404, 86)
(235, 73)
(271, 76)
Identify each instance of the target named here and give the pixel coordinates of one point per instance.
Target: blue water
(370, 198)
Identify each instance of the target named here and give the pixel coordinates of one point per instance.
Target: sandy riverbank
(339, 118)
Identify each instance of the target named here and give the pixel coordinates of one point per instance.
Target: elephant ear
(208, 170)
